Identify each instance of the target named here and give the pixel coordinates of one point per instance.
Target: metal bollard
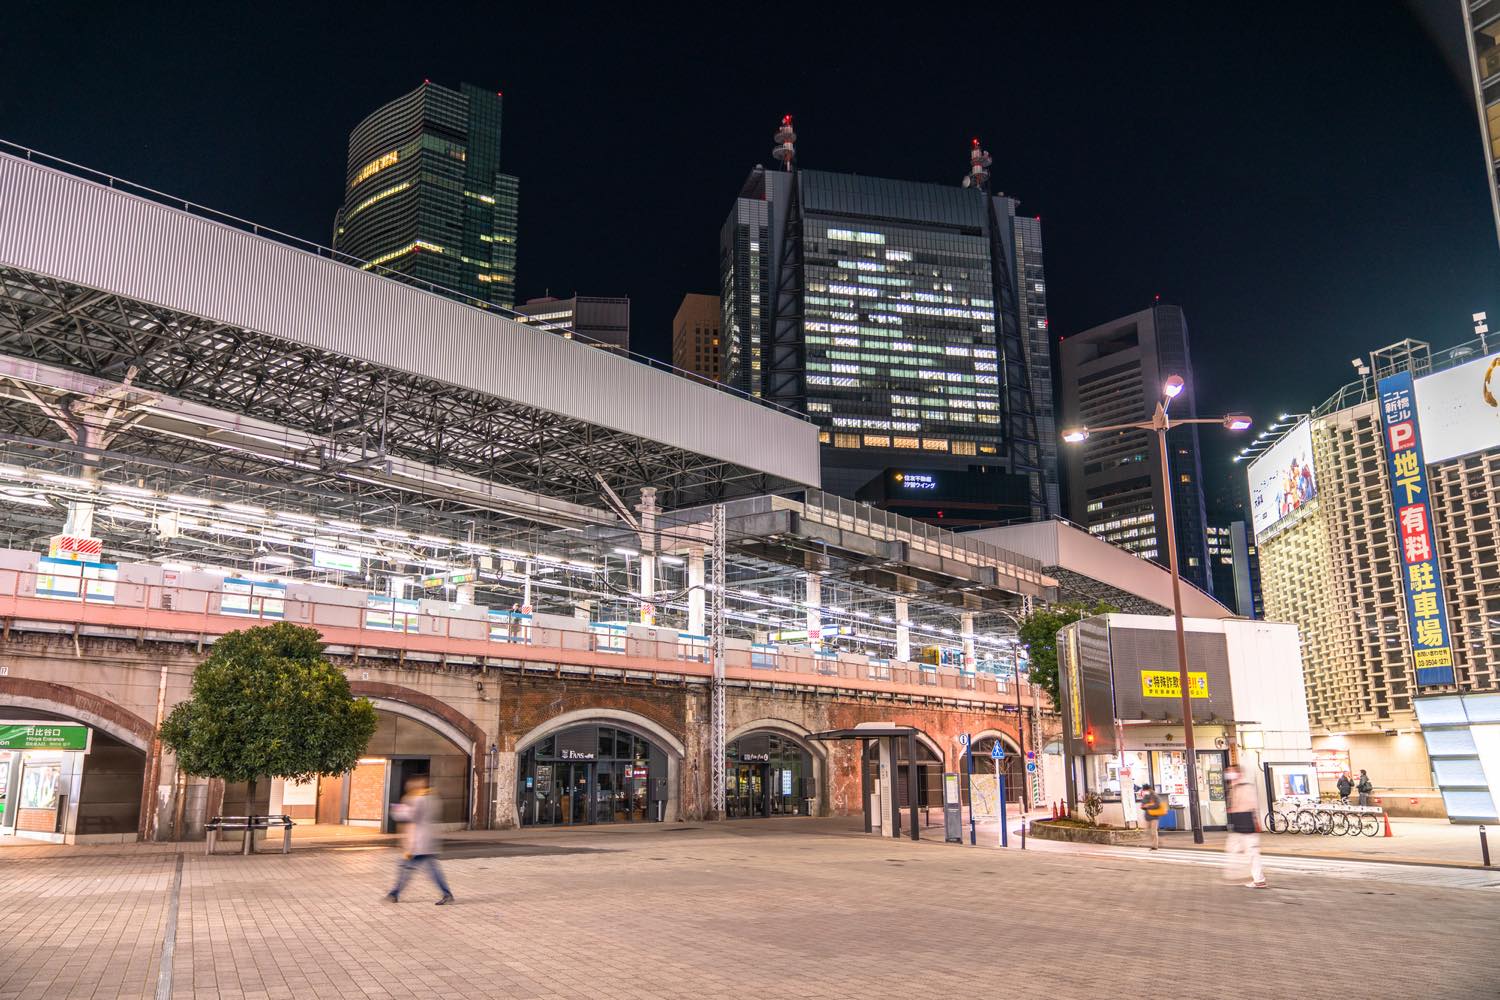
(1484, 846)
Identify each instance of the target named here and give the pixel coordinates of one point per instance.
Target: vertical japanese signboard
(1421, 579)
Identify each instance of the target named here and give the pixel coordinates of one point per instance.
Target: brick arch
(425, 702)
(87, 707)
(480, 803)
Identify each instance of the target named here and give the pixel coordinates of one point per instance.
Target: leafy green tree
(267, 704)
(1038, 631)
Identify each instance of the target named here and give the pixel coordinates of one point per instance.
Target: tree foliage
(1038, 631)
(266, 704)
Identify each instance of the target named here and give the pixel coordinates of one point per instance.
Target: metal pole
(969, 754)
(1162, 426)
(911, 782)
(1000, 803)
(716, 694)
(1484, 846)
(1023, 793)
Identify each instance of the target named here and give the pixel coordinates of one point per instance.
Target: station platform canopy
(106, 280)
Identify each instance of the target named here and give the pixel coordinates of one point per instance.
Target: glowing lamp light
(1174, 386)
(1089, 737)
(1237, 422)
(1077, 436)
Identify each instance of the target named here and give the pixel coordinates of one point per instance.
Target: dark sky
(1304, 179)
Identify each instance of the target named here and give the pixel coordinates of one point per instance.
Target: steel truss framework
(375, 410)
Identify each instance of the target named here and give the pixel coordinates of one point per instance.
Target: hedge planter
(1045, 830)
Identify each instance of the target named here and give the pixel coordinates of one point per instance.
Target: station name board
(43, 736)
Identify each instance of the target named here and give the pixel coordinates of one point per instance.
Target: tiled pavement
(746, 910)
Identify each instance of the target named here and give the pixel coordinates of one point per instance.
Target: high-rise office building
(424, 196)
(1376, 519)
(695, 335)
(909, 321)
(600, 321)
(1482, 24)
(1234, 568)
(1114, 374)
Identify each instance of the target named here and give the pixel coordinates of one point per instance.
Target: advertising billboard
(1459, 410)
(1416, 541)
(1282, 480)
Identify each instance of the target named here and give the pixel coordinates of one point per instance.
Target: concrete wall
(114, 685)
(1398, 767)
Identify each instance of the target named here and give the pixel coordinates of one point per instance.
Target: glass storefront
(591, 774)
(1112, 775)
(767, 774)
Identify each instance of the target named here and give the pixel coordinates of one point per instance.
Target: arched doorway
(404, 744)
(768, 773)
(592, 772)
(1012, 766)
(929, 765)
(69, 782)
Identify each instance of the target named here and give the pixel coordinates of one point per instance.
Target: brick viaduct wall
(115, 685)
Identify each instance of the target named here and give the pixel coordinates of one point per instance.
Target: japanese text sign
(1421, 579)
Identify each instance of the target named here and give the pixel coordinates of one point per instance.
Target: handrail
(535, 644)
(338, 257)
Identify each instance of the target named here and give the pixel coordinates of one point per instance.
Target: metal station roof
(99, 280)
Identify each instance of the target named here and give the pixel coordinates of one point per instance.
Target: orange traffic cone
(1387, 818)
(1054, 809)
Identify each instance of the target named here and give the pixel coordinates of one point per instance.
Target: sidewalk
(1412, 842)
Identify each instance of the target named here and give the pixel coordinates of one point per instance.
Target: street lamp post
(1161, 422)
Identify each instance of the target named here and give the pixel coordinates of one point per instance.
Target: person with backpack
(1345, 786)
(1364, 788)
(1153, 808)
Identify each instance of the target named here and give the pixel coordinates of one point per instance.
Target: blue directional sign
(997, 752)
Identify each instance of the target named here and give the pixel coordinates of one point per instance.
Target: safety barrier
(370, 625)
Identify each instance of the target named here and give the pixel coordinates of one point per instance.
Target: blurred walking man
(1244, 838)
(419, 810)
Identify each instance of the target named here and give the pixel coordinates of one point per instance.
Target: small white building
(1122, 712)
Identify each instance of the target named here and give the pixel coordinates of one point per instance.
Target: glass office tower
(424, 195)
(881, 309)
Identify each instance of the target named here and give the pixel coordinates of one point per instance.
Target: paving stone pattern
(746, 910)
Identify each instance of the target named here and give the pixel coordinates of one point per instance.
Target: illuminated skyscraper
(908, 319)
(424, 196)
(1113, 374)
(1482, 21)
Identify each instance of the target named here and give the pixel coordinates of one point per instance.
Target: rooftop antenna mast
(785, 149)
(979, 167)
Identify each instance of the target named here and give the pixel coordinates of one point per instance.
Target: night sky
(1306, 180)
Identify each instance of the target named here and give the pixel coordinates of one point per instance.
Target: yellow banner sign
(1164, 684)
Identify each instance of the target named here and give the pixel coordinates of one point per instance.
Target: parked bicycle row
(1325, 818)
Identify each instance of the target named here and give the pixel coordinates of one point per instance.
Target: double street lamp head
(1237, 422)
(1076, 436)
(1173, 387)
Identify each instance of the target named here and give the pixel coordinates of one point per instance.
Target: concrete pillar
(814, 598)
(696, 593)
(966, 629)
(526, 588)
(903, 630)
(647, 509)
(465, 594)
